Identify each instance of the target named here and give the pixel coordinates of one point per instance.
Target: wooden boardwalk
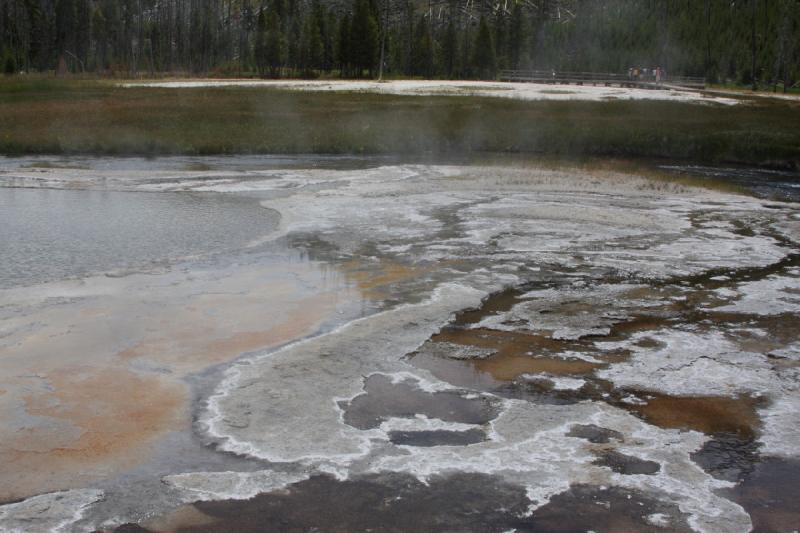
(600, 78)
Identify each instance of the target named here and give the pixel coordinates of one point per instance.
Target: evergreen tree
(516, 37)
(247, 22)
(484, 54)
(311, 49)
(65, 27)
(83, 31)
(364, 38)
(747, 41)
(101, 40)
(275, 44)
(343, 53)
(329, 36)
(450, 46)
(9, 65)
(423, 50)
(500, 39)
(262, 61)
(293, 41)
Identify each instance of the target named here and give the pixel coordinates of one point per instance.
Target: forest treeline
(740, 41)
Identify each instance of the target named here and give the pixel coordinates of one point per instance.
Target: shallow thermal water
(410, 347)
(765, 183)
(52, 234)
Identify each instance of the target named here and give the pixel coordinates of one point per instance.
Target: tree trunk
(708, 41)
(753, 44)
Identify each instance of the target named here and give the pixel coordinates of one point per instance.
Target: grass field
(52, 116)
(765, 90)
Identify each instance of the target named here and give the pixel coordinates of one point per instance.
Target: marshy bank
(39, 116)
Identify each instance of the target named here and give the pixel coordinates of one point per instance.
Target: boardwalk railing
(600, 78)
(691, 82)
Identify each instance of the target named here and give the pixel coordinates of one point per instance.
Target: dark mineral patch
(383, 399)
(626, 464)
(437, 438)
(455, 503)
(590, 508)
(594, 434)
(387, 503)
(499, 302)
(770, 494)
(130, 528)
(727, 456)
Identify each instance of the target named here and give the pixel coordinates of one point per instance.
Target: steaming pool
(53, 234)
(217, 344)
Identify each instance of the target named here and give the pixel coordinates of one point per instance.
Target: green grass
(764, 89)
(51, 116)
